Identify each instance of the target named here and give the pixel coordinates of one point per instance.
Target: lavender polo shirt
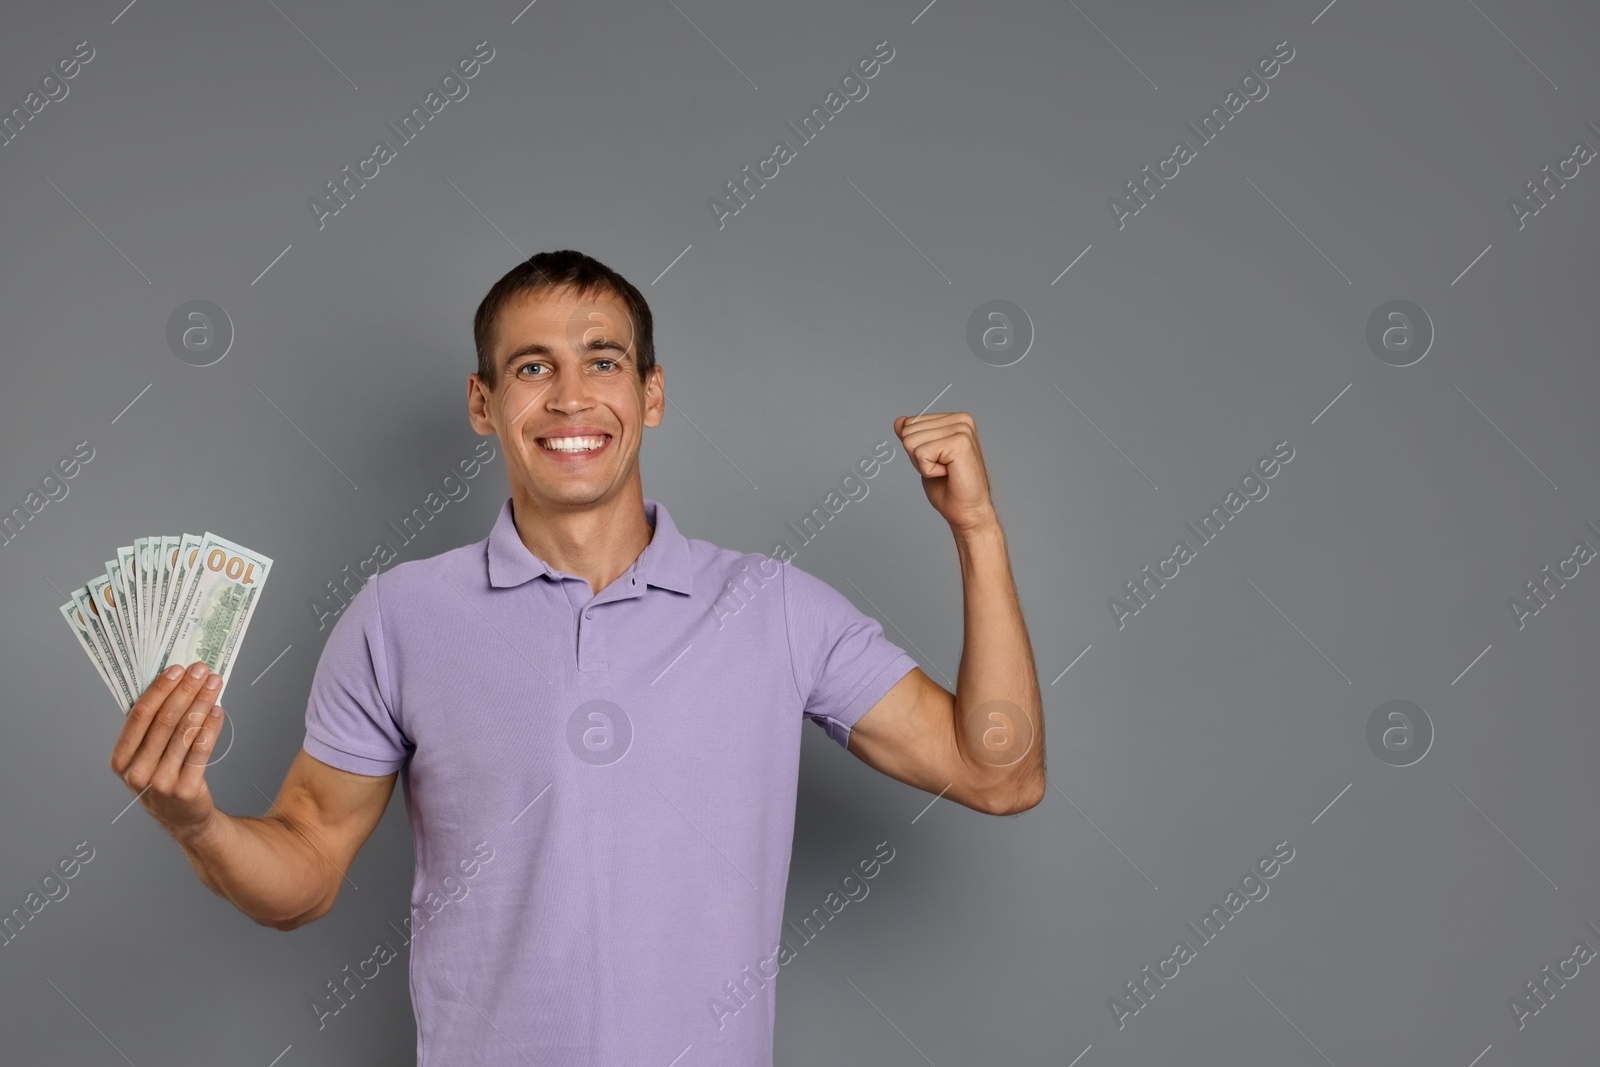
(627, 760)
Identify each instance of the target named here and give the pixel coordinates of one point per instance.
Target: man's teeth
(573, 444)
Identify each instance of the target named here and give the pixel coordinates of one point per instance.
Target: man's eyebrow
(533, 348)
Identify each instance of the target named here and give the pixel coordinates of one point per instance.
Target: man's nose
(570, 392)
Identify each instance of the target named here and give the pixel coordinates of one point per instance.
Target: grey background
(1225, 317)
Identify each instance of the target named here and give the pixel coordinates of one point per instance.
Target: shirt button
(588, 614)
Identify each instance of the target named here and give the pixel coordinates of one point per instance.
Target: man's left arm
(982, 746)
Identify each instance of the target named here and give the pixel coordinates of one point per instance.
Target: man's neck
(597, 544)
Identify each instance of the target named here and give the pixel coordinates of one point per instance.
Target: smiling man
(562, 693)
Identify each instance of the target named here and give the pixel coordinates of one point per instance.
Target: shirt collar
(664, 562)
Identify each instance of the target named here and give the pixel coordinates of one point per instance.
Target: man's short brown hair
(565, 268)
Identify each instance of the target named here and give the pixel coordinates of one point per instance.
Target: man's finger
(143, 711)
(166, 719)
(205, 742)
(930, 420)
(183, 734)
(934, 451)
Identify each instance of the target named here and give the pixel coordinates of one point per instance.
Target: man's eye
(610, 361)
(526, 366)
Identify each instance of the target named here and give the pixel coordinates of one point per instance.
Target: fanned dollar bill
(178, 564)
(163, 578)
(104, 594)
(125, 574)
(175, 598)
(142, 565)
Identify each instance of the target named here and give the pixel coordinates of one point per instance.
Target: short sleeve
(349, 723)
(843, 664)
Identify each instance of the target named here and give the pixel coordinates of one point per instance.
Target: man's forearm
(261, 866)
(999, 717)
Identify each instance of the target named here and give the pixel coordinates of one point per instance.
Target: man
(593, 745)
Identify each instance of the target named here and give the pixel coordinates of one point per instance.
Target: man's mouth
(574, 445)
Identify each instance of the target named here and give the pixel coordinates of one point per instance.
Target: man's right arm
(283, 869)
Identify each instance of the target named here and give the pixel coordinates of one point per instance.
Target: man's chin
(568, 492)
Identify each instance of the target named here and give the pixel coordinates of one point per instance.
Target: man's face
(566, 368)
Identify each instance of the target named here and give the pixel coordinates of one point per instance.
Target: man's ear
(478, 405)
(654, 397)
